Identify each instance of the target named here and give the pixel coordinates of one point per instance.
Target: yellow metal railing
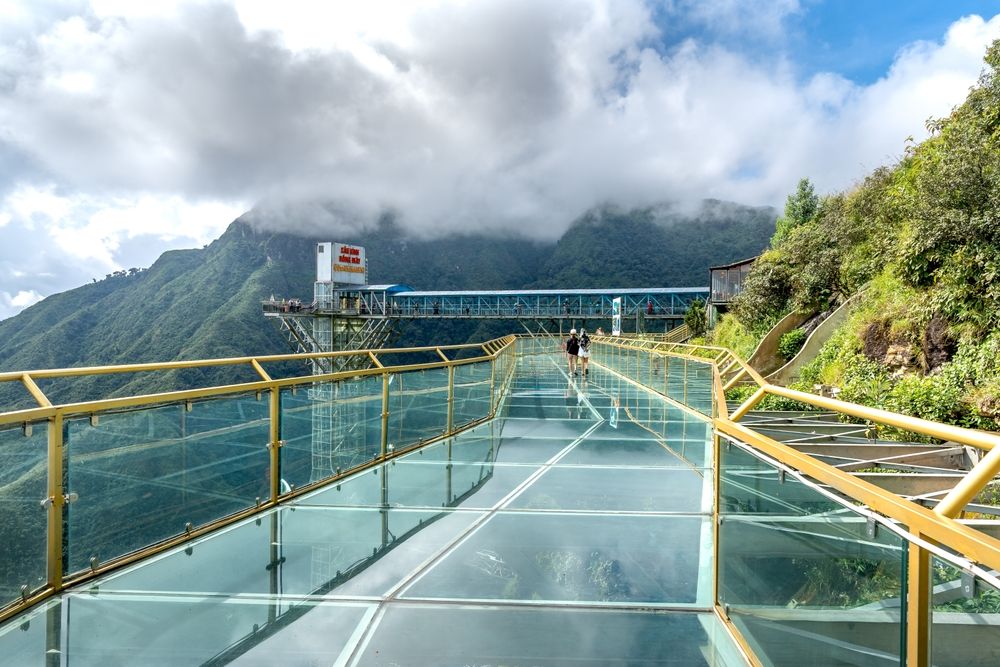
(498, 354)
(927, 527)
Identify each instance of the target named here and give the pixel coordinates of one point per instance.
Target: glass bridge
(477, 510)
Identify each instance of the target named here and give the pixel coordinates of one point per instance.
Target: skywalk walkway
(497, 512)
(573, 529)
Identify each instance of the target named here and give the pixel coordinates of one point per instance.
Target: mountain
(205, 303)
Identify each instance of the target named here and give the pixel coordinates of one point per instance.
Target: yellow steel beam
(451, 398)
(979, 439)
(55, 501)
(34, 390)
(918, 606)
(737, 636)
(721, 409)
(441, 354)
(731, 382)
(384, 448)
(33, 414)
(230, 361)
(970, 485)
(378, 364)
(748, 405)
(260, 370)
(274, 447)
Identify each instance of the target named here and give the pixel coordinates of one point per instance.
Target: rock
(901, 358)
(938, 345)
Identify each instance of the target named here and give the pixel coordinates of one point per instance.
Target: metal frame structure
(495, 352)
(347, 318)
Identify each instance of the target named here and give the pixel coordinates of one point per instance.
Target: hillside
(921, 240)
(206, 303)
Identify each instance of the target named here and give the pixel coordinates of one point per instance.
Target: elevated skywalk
(488, 510)
(573, 528)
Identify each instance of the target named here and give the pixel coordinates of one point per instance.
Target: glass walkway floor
(573, 530)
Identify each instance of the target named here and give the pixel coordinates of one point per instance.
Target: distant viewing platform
(397, 300)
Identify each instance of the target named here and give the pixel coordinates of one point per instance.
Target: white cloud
(122, 121)
(23, 299)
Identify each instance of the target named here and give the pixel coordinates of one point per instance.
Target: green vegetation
(921, 239)
(790, 343)
(730, 332)
(695, 318)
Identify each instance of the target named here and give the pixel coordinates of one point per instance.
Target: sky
(130, 128)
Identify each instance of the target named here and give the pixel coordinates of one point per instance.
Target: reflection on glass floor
(576, 530)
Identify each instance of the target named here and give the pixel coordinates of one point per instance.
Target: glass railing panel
(966, 613)
(329, 426)
(700, 387)
(142, 475)
(23, 518)
(25, 639)
(446, 474)
(294, 551)
(472, 391)
(805, 578)
(418, 406)
(749, 485)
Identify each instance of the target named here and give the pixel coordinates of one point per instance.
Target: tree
(800, 207)
(695, 318)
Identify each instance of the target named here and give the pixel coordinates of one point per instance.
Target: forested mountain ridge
(921, 240)
(205, 303)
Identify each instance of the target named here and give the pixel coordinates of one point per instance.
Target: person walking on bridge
(572, 346)
(584, 351)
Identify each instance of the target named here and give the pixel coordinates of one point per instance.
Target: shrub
(790, 343)
(729, 332)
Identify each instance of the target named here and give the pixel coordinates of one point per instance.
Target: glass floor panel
(603, 451)
(583, 558)
(617, 489)
(567, 531)
(415, 483)
(108, 629)
(429, 636)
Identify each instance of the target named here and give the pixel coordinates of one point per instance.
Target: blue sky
(860, 38)
(130, 128)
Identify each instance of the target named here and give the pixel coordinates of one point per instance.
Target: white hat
(572, 331)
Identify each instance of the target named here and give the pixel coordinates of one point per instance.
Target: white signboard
(341, 263)
(616, 317)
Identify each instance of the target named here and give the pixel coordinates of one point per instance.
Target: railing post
(716, 514)
(685, 401)
(451, 400)
(55, 502)
(385, 415)
(493, 383)
(666, 375)
(918, 606)
(274, 451)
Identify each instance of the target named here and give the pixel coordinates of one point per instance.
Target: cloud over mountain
(123, 123)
